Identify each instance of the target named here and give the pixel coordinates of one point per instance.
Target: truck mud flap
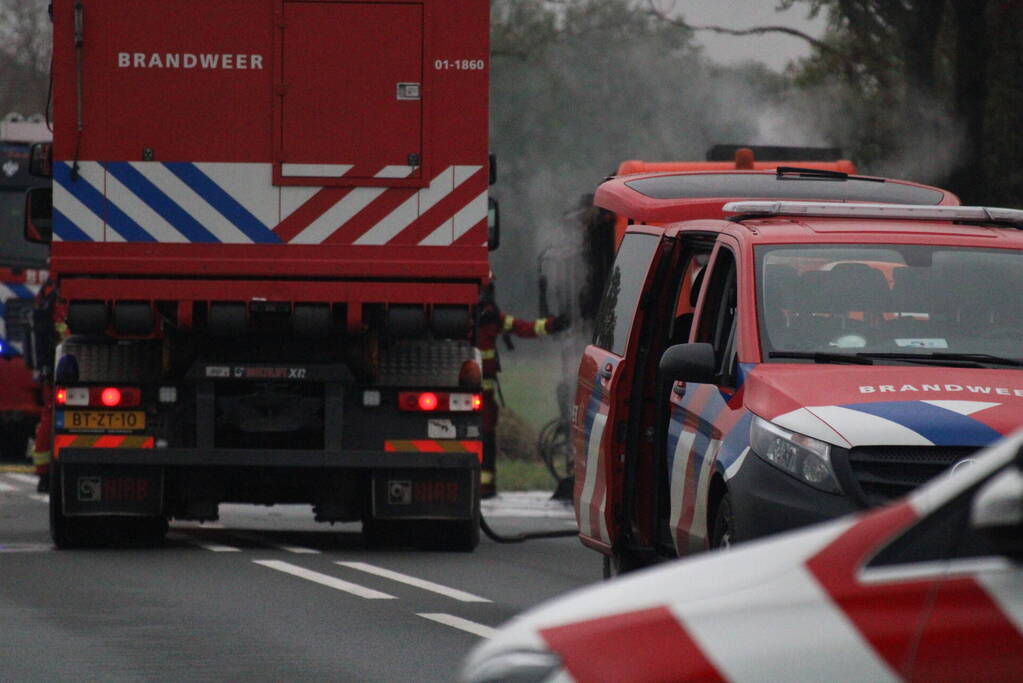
(102, 490)
(424, 494)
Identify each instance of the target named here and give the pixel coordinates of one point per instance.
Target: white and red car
(928, 588)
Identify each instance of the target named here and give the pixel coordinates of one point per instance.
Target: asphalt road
(266, 594)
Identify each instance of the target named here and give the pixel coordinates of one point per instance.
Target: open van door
(598, 430)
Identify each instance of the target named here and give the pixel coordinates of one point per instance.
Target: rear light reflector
(442, 402)
(106, 397)
(110, 397)
(72, 396)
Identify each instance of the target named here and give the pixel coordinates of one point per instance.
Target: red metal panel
(339, 93)
(190, 84)
(307, 261)
(270, 290)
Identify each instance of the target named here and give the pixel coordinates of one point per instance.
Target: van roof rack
(969, 214)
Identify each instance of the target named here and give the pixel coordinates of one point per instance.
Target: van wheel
(722, 533)
(618, 564)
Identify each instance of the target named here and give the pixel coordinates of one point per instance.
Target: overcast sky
(774, 49)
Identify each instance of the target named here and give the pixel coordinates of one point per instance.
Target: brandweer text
(187, 60)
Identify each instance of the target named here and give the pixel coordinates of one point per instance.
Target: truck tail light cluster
(104, 397)
(438, 402)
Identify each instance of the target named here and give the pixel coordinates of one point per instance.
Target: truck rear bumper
(341, 485)
(242, 457)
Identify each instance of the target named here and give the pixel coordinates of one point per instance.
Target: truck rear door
(368, 67)
(604, 384)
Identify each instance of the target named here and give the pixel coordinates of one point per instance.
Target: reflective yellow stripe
(488, 354)
(509, 322)
(540, 327)
(40, 457)
(489, 384)
(486, 476)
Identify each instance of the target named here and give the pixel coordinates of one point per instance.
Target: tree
(24, 56)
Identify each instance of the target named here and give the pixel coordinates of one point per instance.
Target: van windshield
(890, 302)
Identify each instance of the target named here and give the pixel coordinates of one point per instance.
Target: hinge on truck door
(413, 159)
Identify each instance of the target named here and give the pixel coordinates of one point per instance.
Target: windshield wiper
(820, 174)
(946, 356)
(823, 357)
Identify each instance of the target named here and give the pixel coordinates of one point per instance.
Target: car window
(621, 295)
(717, 318)
(945, 534)
(688, 289)
(889, 298)
(762, 185)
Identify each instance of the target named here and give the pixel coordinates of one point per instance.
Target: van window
(717, 318)
(621, 296)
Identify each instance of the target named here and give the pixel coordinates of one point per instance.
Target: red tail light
(438, 402)
(61, 396)
(110, 397)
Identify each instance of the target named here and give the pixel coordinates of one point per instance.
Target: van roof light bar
(982, 214)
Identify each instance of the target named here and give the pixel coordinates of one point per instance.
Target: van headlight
(804, 457)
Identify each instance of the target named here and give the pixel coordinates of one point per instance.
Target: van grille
(885, 473)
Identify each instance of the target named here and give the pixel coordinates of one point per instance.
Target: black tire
(144, 531)
(722, 532)
(618, 564)
(379, 533)
(66, 532)
(14, 445)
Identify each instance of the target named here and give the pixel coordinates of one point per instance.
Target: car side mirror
(997, 513)
(40, 160)
(493, 224)
(39, 215)
(688, 363)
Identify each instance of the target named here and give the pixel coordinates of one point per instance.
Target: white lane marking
(295, 549)
(299, 550)
(216, 547)
(189, 524)
(213, 547)
(41, 497)
(460, 623)
(414, 581)
(23, 478)
(325, 580)
(7, 488)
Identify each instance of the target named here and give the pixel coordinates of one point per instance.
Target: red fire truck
(22, 270)
(269, 234)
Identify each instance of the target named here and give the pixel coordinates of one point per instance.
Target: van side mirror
(40, 160)
(39, 215)
(493, 224)
(997, 513)
(693, 362)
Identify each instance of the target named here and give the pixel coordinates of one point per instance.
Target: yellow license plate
(104, 419)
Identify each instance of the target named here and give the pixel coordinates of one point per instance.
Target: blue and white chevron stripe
(165, 202)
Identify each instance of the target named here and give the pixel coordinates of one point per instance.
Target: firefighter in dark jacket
(48, 330)
(493, 324)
